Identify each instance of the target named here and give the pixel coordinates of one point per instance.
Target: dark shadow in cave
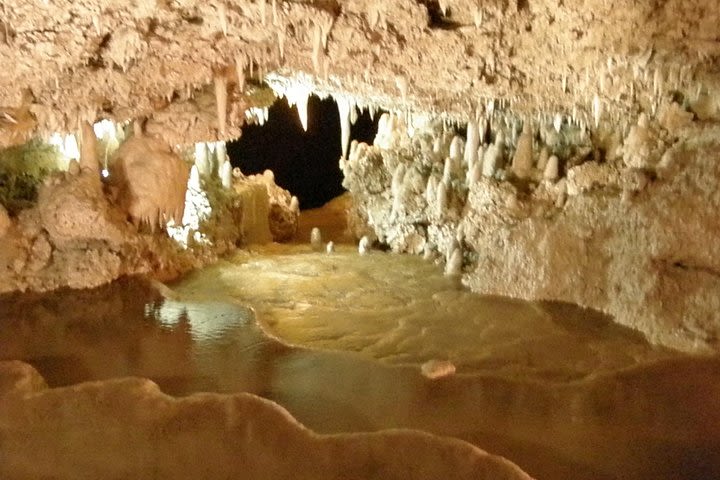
(305, 163)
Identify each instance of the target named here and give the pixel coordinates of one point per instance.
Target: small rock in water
(316, 239)
(364, 246)
(437, 369)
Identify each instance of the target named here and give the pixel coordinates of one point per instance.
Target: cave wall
(639, 243)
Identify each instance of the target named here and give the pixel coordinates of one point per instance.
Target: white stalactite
(344, 106)
(298, 95)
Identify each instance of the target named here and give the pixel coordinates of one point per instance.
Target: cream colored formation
(622, 225)
(145, 211)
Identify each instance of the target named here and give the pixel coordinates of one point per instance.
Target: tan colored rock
(128, 427)
(149, 181)
(76, 210)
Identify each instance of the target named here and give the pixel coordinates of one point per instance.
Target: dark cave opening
(305, 163)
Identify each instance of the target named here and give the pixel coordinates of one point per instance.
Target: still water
(560, 391)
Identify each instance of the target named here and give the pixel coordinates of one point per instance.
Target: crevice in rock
(688, 267)
(436, 18)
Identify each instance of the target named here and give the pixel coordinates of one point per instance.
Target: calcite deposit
(631, 231)
(129, 428)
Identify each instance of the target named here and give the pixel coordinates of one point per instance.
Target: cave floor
(339, 341)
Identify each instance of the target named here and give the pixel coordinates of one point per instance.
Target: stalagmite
(269, 176)
(194, 178)
(344, 106)
(226, 176)
(220, 155)
(364, 245)
(474, 174)
(523, 159)
(472, 144)
(493, 159)
(543, 159)
(428, 251)
(551, 171)
(295, 204)
(330, 247)
(448, 170)
(221, 102)
(202, 160)
(456, 148)
(430, 190)
(441, 202)
(316, 239)
(454, 265)
(73, 167)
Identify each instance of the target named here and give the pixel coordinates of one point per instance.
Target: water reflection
(658, 420)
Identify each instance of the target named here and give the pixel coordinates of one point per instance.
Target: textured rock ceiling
(65, 60)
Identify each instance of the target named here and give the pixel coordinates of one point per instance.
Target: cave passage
(305, 163)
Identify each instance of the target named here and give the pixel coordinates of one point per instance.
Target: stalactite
(221, 102)
(344, 105)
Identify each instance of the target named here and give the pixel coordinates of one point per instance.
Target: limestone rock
(149, 181)
(76, 210)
